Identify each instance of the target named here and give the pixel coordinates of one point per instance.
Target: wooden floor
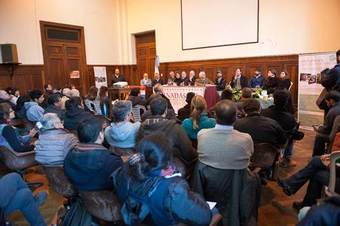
(276, 208)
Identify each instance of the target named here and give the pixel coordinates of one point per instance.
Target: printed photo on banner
(310, 68)
(100, 76)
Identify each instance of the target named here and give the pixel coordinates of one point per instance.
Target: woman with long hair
(153, 193)
(199, 118)
(104, 101)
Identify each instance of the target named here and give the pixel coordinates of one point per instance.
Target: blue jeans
(15, 195)
(288, 152)
(317, 174)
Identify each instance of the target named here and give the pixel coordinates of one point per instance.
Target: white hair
(202, 74)
(48, 121)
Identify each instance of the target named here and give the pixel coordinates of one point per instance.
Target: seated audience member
(54, 105)
(239, 81)
(48, 90)
(333, 102)
(283, 82)
(326, 213)
(223, 147)
(146, 81)
(270, 84)
(199, 118)
(16, 195)
(157, 79)
(171, 78)
(89, 165)
(149, 180)
(54, 142)
(221, 174)
(316, 173)
(192, 78)
(20, 110)
(220, 82)
(9, 137)
(135, 97)
(261, 129)
(34, 112)
(104, 101)
(257, 80)
(246, 94)
(91, 101)
(158, 92)
(184, 79)
(202, 80)
(12, 91)
(122, 133)
(158, 123)
(7, 98)
(75, 114)
(178, 79)
(185, 111)
(227, 94)
(286, 120)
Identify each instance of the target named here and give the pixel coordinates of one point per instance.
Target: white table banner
(177, 94)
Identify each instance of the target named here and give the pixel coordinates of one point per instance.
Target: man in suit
(257, 80)
(239, 80)
(220, 82)
(157, 79)
(117, 77)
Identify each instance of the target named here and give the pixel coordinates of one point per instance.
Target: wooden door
(145, 54)
(64, 52)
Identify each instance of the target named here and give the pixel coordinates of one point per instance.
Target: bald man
(223, 147)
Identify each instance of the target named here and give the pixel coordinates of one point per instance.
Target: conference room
(172, 112)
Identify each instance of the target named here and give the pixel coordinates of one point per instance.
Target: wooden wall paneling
(25, 77)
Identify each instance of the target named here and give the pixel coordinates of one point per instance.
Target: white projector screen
(213, 23)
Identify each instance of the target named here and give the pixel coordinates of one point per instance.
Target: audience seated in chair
(91, 101)
(152, 193)
(75, 114)
(286, 120)
(261, 129)
(15, 195)
(333, 101)
(9, 137)
(326, 213)
(184, 112)
(199, 118)
(89, 164)
(158, 123)
(316, 173)
(221, 172)
(122, 133)
(54, 142)
(34, 112)
(54, 105)
(135, 97)
(158, 92)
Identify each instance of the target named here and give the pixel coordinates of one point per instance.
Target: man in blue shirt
(257, 81)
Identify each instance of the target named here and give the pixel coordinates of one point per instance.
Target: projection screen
(213, 23)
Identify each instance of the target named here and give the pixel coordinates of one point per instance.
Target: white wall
(20, 25)
(286, 27)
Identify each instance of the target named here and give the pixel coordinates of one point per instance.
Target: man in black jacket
(117, 77)
(220, 82)
(158, 123)
(75, 114)
(286, 120)
(54, 105)
(333, 102)
(261, 129)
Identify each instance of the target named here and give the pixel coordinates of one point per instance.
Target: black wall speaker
(8, 54)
